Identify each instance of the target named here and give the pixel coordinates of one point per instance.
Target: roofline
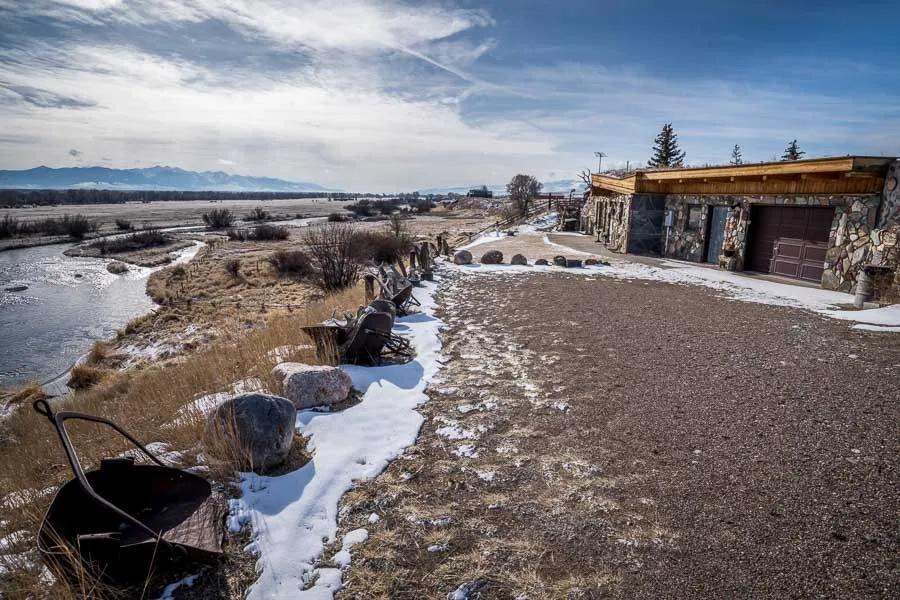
(871, 167)
(854, 160)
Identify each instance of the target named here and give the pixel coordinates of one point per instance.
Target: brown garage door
(789, 240)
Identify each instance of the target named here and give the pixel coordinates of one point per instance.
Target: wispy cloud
(382, 94)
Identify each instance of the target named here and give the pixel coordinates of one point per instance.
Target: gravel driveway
(594, 438)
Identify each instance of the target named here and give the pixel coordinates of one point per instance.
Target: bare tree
(522, 189)
(335, 259)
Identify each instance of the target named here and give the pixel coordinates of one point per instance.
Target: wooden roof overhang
(826, 176)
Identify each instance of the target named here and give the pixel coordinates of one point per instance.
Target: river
(70, 303)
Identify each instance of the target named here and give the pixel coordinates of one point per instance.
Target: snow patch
(295, 515)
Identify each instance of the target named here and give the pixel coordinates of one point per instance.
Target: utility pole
(600, 157)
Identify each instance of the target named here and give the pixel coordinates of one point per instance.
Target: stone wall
(849, 247)
(685, 243)
(890, 204)
(850, 242)
(609, 215)
(864, 230)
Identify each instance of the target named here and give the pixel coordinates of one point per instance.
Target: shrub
(269, 232)
(233, 267)
(382, 247)
(363, 208)
(421, 205)
(9, 226)
(292, 263)
(124, 225)
(77, 226)
(335, 260)
(264, 233)
(338, 217)
(258, 214)
(148, 238)
(218, 218)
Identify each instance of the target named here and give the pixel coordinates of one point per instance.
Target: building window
(695, 214)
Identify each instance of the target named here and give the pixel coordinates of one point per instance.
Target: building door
(716, 236)
(789, 241)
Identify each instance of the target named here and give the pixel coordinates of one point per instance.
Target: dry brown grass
(151, 404)
(84, 376)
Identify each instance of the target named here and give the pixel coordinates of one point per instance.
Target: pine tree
(736, 158)
(792, 152)
(666, 152)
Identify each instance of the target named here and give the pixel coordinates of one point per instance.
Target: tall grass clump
(218, 218)
(124, 225)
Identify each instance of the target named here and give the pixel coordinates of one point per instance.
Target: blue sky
(393, 95)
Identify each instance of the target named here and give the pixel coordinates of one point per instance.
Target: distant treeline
(14, 198)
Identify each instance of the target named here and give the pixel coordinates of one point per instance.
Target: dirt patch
(594, 438)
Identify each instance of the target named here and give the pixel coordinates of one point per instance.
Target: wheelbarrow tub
(178, 504)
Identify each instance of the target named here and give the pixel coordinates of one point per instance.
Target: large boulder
(542, 262)
(573, 263)
(492, 257)
(307, 386)
(518, 259)
(560, 261)
(463, 257)
(259, 426)
(117, 268)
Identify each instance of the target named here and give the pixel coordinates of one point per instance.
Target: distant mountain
(559, 186)
(153, 178)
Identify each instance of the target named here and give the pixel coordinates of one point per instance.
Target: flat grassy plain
(178, 212)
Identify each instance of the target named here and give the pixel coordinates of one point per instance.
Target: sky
(395, 96)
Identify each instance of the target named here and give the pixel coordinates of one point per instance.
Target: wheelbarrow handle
(58, 420)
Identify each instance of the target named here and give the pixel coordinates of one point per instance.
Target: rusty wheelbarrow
(124, 520)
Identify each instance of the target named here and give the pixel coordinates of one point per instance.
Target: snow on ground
(169, 592)
(731, 285)
(294, 516)
(541, 223)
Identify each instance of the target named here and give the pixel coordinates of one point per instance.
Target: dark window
(695, 213)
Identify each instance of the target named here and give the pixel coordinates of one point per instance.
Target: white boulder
(307, 386)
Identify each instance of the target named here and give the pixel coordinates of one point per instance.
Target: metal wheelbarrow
(124, 520)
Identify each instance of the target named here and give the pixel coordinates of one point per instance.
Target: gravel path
(595, 438)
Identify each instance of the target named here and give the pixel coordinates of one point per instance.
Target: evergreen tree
(736, 158)
(792, 152)
(666, 152)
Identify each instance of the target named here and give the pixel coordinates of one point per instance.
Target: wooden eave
(839, 175)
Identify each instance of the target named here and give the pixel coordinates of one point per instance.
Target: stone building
(817, 220)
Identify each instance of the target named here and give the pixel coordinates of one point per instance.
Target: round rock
(492, 257)
(560, 261)
(260, 425)
(117, 268)
(518, 259)
(463, 257)
(307, 386)
(541, 262)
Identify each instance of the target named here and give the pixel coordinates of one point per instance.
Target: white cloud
(381, 98)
